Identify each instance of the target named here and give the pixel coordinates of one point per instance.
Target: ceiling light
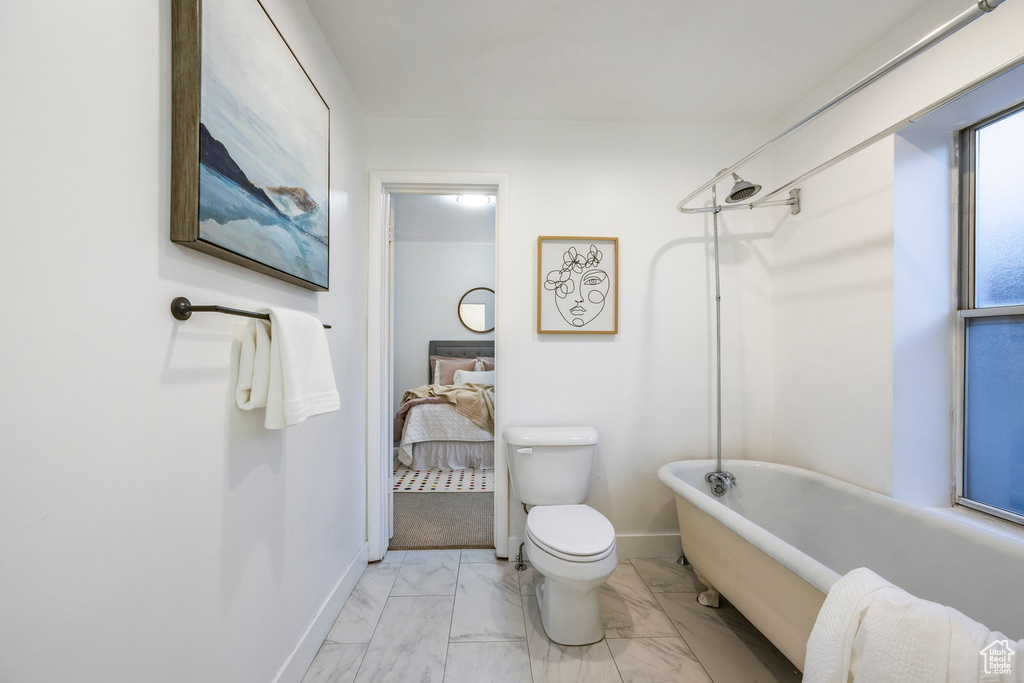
(473, 199)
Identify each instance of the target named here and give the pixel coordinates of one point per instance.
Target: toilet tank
(551, 465)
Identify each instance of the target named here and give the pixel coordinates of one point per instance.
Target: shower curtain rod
(941, 33)
(941, 102)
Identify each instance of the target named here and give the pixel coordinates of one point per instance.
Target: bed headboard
(459, 349)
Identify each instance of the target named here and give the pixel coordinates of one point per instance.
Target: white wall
(429, 280)
(832, 318)
(648, 389)
(150, 530)
(838, 355)
(924, 298)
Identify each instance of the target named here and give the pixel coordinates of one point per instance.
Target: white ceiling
(439, 218)
(664, 61)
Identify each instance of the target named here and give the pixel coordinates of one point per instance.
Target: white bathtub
(776, 543)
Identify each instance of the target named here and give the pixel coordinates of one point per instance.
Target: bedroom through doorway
(442, 337)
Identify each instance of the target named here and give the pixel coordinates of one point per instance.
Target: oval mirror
(476, 309)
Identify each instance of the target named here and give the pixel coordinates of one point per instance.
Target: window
(992, 308)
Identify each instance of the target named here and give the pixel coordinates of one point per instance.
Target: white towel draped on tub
(869, 630)
(285, 366)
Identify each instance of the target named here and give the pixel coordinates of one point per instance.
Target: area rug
(406, 480)
(443, 521)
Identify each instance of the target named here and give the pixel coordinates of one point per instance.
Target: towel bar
(182, 309)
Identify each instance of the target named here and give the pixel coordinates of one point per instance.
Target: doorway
(442, 346)
(391, 195)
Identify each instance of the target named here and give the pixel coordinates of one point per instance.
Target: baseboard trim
(630, 546)
(301, 656)
(636, 546)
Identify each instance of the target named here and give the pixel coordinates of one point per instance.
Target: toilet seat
(575, 533)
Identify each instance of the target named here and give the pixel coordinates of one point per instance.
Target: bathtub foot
(708, 598)
(682, 562)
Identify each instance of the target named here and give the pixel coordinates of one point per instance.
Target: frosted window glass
(994, 438)
(999, 214)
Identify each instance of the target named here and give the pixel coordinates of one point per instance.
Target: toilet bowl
(572, 546)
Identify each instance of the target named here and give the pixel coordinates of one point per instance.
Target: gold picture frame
(577, 285)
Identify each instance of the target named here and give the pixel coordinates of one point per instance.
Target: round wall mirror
(476, 309)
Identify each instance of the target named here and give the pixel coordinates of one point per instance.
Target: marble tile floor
(464, 616)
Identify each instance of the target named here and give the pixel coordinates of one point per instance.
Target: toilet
(571, 545)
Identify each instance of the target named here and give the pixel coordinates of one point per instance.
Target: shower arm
(793, 202)
(941, 33)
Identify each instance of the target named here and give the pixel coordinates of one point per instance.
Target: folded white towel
(869, 630)
(285, 367)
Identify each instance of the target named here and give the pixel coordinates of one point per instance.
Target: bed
(432, 433)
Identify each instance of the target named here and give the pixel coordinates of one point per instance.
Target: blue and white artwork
(264, 145)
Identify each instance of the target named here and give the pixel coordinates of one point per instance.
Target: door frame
(379, 347)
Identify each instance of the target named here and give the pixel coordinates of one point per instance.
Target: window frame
(965, 159)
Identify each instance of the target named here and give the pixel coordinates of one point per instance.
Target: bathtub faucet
(720, 482)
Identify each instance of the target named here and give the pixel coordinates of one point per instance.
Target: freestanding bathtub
(778, 540)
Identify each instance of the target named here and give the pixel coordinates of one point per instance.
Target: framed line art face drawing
(578, 285)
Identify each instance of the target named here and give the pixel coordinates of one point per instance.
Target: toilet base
(568, 616)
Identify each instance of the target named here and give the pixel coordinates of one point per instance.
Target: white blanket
(437, 422)
(869, 630)
(285, 367)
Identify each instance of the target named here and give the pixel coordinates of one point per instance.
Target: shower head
(743, 189)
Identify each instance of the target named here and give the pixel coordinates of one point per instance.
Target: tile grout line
(522, 610)
(451, 620)
(605, 639)
(379, 616)
(526, 622)
(656, 601)
(377, 621)
(671, 621)
(614, 663)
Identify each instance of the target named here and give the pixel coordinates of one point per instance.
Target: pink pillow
(445, 367)
(487, 361)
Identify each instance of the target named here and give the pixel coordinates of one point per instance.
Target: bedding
(435, 435)
(472, 401)
(445, 367)
(471, 377)
(449, 423)
(453, 455)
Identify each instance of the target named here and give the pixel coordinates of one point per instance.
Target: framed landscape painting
(578, 285)
(250, 176)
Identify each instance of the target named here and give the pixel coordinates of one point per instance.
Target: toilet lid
(574, 530)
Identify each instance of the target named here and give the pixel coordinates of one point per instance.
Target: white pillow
(468, 377)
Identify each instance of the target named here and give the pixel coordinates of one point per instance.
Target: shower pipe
(182, 309)
(720, 480)
(941, 33)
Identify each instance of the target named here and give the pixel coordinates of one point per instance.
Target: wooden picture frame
(577, 285)
(250, 144)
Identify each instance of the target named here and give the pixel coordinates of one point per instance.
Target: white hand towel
(869, 630)
(286, 367)
(253, 366)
